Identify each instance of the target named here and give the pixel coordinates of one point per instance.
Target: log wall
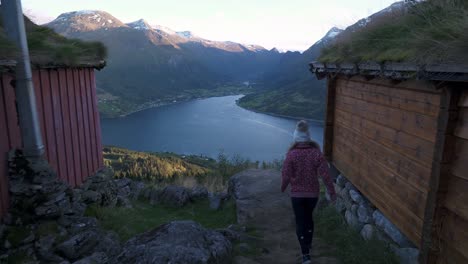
(67, 107)
(383, 139)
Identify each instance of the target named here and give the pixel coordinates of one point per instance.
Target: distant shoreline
(297, 118)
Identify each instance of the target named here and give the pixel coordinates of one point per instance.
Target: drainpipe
(26, 101)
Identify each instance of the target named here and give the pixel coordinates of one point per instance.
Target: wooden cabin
(65, 91)
(69, 118)
(399, 133)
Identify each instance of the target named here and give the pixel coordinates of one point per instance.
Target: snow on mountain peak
(185, 34)
(140, 24)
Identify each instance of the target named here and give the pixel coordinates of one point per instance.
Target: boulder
(390, 229)
(136, 188)
(90, 197)
(354, 208)
(364, 214)
(176, 196)
(407, 255)
(367, 232)
(352, 220)
(96, 257)
(215, 201)
(340, 206)
(355, 196)
(79, 246)
(153, 196)
(177, 242)
(341, 181)
(198, 192)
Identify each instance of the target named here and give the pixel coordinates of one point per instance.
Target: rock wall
(365, 218)
(47, 224)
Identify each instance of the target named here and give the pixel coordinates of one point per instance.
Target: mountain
(290, 89)
(151, 63)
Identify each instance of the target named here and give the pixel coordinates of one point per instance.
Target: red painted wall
(70, 125)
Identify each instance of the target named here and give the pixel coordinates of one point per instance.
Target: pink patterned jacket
(301, 168)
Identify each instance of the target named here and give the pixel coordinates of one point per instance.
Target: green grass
(128, 222)
(433, 31)
(348, 245)
(48, 47)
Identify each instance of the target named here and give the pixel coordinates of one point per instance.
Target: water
(205, 127)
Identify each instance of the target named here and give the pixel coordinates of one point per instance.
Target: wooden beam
(329, 118)
(433, 221)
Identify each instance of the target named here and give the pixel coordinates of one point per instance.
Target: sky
(284, 24)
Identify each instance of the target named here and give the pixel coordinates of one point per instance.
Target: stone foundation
(365, 218)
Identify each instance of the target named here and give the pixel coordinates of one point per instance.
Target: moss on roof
(48, 48)
(428, 32)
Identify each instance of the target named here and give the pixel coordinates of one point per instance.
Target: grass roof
(428, 32)
(48, 48)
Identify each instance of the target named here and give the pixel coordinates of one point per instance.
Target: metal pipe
(13, 22)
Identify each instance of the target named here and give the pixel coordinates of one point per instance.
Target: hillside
(290, 89)
(422, 32)
(153, 64)
(49, 48)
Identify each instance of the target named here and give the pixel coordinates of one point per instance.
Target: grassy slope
(434, 31)
(48, 47)
(128, 222)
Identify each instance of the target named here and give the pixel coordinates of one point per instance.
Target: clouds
(289, 25)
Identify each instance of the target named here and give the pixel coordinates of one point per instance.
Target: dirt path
(262, 206)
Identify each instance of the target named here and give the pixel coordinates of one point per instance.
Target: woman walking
(303, 164)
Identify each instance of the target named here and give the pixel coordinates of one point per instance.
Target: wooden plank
(412, 123)
(86, 123)
(410, 173)
(329, 119)
(456, 198)
(58, 125)
(67, 134)
(97, 119)
(460, 161)
(81, 126)
(14, 131)
(92, 124)
(49, 119)
(462, 127)
(4, 147)
(409, 196)
(404, 219)
(463, 99)
(419, 102)
(418, 150)
(72, 97)
(409, 85)
(40, 109)
(455, 233)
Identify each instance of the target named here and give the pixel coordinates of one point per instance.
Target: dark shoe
(306, 259)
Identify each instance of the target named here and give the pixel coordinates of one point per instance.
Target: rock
(355, 196)
(176, 196)
(352, 220)
(354, 208)
(177, 242)
(230, 234)
(95, 258)
(91, 197)
(338, 189)
(243, 260)
(244, 248)
(407, 255)
(341, 181)
(349, 186)
(76, 224)
(340, 206)
(123, 182)
(215, 201)
(390, 229)
(198, 192)
(364, 214)
(367, 232)
(123, 201)
(109, 243)
(153, 196)
(136, 188)
(79, 245)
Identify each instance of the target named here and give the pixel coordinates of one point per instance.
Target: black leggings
(303, 210)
